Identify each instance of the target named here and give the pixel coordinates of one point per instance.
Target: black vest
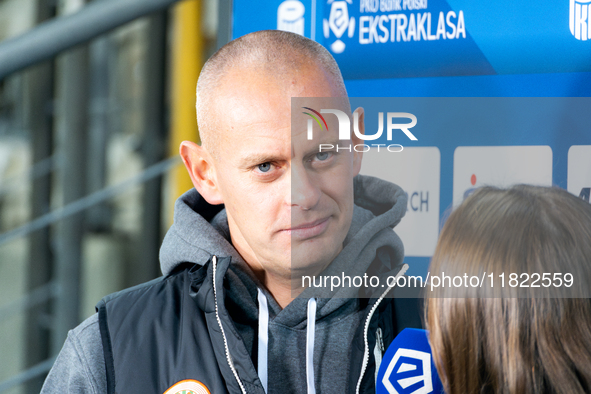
(167, 330)
(177, 328)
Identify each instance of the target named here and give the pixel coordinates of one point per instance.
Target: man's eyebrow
(257, 158)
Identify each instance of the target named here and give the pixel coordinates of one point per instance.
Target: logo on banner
(338, 22)
(409, 372)
(290, 16)
(579, 19)
(383, 21)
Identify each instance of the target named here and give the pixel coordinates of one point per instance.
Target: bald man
(229, 314)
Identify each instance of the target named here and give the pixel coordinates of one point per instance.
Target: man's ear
(359, 113)
(199, 164)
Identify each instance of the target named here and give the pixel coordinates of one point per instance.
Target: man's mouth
(308, 230)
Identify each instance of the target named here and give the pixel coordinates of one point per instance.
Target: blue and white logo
(409, 372)
(579, 18)
(407, 366)
(339, 22)
(290, 16)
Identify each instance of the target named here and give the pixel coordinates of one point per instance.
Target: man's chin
(310, 261)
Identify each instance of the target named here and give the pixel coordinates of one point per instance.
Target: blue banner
(424, 38)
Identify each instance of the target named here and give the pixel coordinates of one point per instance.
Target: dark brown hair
(513, 344)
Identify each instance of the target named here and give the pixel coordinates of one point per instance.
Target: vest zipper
(378, 350)
(217, 316)
(366, 327)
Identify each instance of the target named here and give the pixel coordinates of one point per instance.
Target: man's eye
(265, 167)
(322, 156)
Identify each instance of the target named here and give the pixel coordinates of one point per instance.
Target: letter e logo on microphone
(409, 372)
(407, 366)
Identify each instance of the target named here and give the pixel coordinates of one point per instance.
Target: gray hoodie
(200, 231)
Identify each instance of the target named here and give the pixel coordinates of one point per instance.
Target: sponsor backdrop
(526, 68)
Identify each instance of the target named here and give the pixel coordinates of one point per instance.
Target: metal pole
(59, 34)
(147, 265)
(99, 216)
(40, 253)
(40, 258)
(73, 113)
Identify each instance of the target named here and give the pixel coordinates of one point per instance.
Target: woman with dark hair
(534, 342)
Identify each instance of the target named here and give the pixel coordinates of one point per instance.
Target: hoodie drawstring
(264, 341)
(310, 345)
(263, 338)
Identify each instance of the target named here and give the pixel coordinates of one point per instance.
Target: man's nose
(305, 194)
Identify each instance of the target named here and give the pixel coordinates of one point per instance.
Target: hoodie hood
(199, 231)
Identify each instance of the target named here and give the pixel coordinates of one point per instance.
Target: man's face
(289, 207)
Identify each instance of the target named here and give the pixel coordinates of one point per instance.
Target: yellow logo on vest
(188, 387)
